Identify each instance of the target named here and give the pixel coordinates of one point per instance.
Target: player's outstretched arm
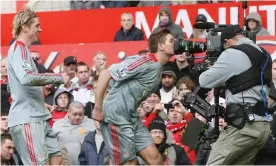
(102, 85)
(21, 65)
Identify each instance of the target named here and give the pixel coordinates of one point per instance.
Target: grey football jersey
(135, 78)
(25, 86)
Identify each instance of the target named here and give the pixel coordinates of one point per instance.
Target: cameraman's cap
(230, 32)
(70, 59)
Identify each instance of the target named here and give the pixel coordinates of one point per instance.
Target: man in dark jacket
(181, 68)
(165, 17)
(93, 150)
(128, 31)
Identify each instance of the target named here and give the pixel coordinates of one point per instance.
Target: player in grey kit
(33, 138)
(136, 77)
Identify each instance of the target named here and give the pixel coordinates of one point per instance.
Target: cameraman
(248, 126)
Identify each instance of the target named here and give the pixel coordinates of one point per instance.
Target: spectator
(128, 31)
(183, 2)
(178, 119)
(163, 139)
(4, 72)
(274, 72)
(5, 100)
(111, 4)
(199, 33)
(100, 63)
(4, 120)
(165, 17)
(36, 57)
(93, 150)
(61, 102)
(154, 3)
(254, 24)
(8, 157)
(72, 129)
(211, 99)
(181, 67)
(83, 89)
(168, 85)
(184, 85)
(82, 4)
(147, 111)
(69, 67)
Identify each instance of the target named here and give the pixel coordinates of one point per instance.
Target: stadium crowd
(163, 112)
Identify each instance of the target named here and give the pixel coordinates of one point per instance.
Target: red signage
(100, 25)
(86, 52)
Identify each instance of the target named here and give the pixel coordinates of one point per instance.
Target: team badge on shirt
(26, 65)
(145, 93)
(122, 72)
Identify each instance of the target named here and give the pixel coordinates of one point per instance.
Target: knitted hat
(158, 123)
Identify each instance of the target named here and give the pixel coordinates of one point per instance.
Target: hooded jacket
(72, 136)
(59, 113)
(172, 154)
(175, 29)
(259, 29)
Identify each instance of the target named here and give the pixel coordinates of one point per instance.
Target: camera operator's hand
(178, 106)
(158, 108)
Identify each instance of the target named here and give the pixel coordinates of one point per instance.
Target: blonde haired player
(33, 138)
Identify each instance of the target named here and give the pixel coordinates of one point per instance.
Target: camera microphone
(204, 25)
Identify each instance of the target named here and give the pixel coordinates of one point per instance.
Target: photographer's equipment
(168, 106)
(197, 130)
(181, 45)
(192, 133)
(237, 114)
(201, 106)
(252, 76)
(213, 46)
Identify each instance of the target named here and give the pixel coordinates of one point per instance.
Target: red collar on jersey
(20, 42)
(153, 57)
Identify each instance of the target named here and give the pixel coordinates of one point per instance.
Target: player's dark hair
(156, 37)
(81, 64)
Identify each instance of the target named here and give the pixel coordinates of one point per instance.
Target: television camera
(212, 46)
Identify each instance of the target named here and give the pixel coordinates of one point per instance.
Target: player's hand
(158, 108)
(97, 114)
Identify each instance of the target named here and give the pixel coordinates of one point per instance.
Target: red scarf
(88, 87)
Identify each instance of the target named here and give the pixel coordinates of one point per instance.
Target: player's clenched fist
(97, 114)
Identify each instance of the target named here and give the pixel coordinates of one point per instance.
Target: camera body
(212, 46)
